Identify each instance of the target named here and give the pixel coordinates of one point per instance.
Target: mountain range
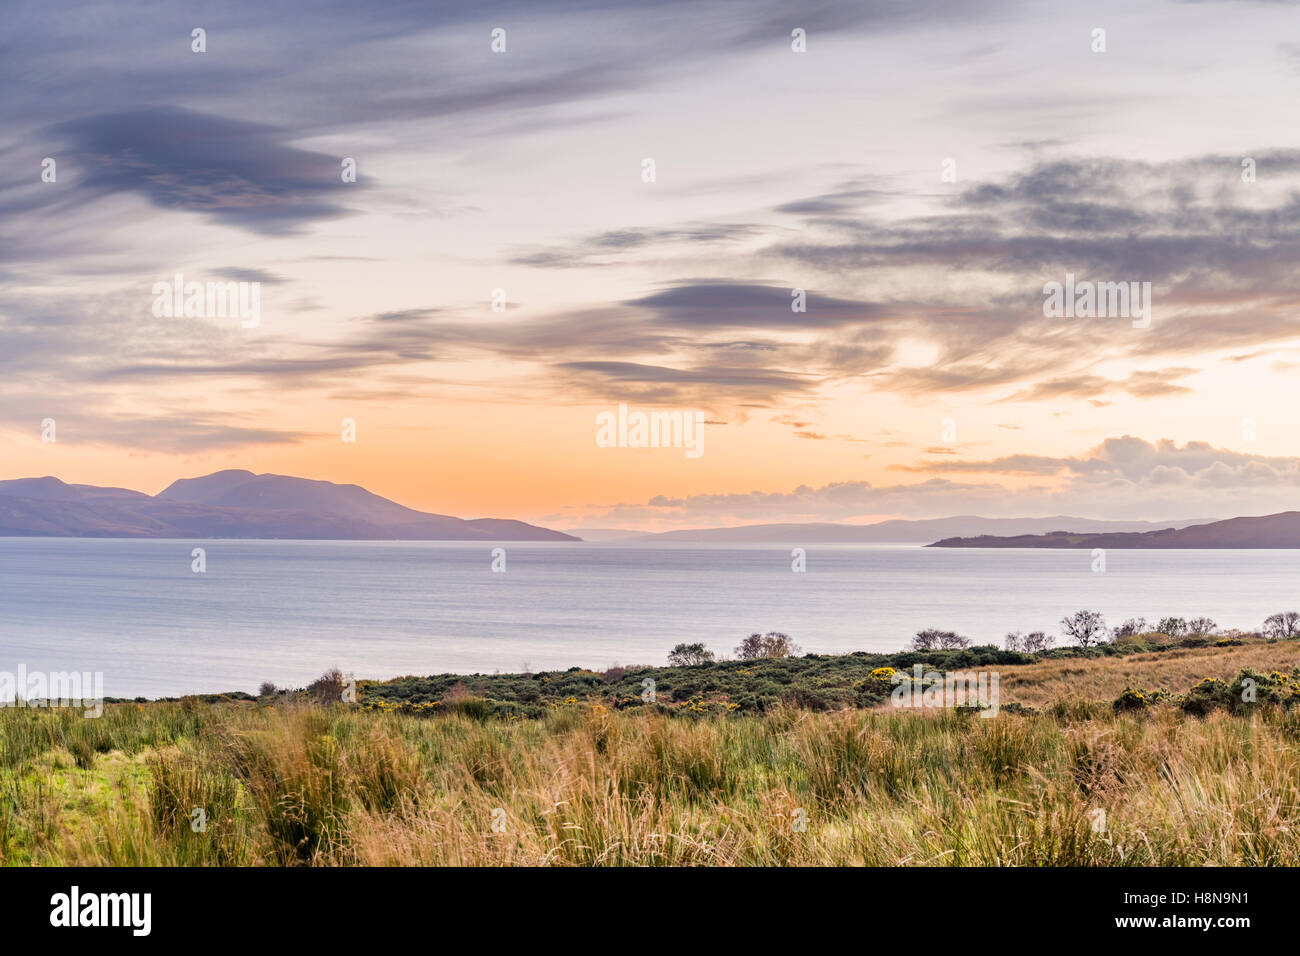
(898, 531)
(241, 504)
(237, 504)
(1280, 530)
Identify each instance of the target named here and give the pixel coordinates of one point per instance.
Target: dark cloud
(249, 275)
(722, 304)
(231, 171)
(706, 386)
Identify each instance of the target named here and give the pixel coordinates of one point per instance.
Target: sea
(156, 619)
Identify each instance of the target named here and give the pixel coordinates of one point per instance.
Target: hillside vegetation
(1102, 770)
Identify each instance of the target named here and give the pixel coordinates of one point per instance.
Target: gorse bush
(1241, 695)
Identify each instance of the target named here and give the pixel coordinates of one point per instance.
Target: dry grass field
(1104, 678)
(290, 781)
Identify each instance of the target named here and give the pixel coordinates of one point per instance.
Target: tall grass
(298, 783)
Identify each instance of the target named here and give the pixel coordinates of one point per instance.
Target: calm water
(286, 610)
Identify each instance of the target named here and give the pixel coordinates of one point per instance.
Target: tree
(1202, 625)
(1284, 625)
(267, 689)
(1172, 627)
(1134, 625)
(688, 655)
(771, 644)
(932, 639)
(1086, 628)
(1035, 642)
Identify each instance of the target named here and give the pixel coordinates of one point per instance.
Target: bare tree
(1035, 642)
(771, 644)
(1284, 625)
(1201, 625)
(1134, 625)
(932, 639)
(1086, 628)
(1172, 626)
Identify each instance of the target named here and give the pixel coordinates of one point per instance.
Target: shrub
(1131, 699)
(1133, 643)
(1206, 695)
(932, 639)
(1134, 625)
(328, 688)
(689, 655)
(771, 644)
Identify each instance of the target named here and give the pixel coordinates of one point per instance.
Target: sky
(504, 268)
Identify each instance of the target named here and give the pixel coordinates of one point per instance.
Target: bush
(689, 655)
(1131, 643)
(1131, 699)
(1134, 625)
(771, 644)
(328, 688)
(932, 639)
(1208, 694)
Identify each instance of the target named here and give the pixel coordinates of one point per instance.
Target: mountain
(238, 504)
(609, 534)
(901, 531)
(1267, 531)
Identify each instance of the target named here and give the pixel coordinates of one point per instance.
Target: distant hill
(238, 504)
(902, 531)
(609, 534)
(1267, 531)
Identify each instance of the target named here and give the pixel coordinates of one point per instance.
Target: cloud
(231, 171)
(1120, 478)
(607, 248)
(721, 303)
(1131, 459)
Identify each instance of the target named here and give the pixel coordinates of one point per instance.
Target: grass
(1039, 684)
(287, 781)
